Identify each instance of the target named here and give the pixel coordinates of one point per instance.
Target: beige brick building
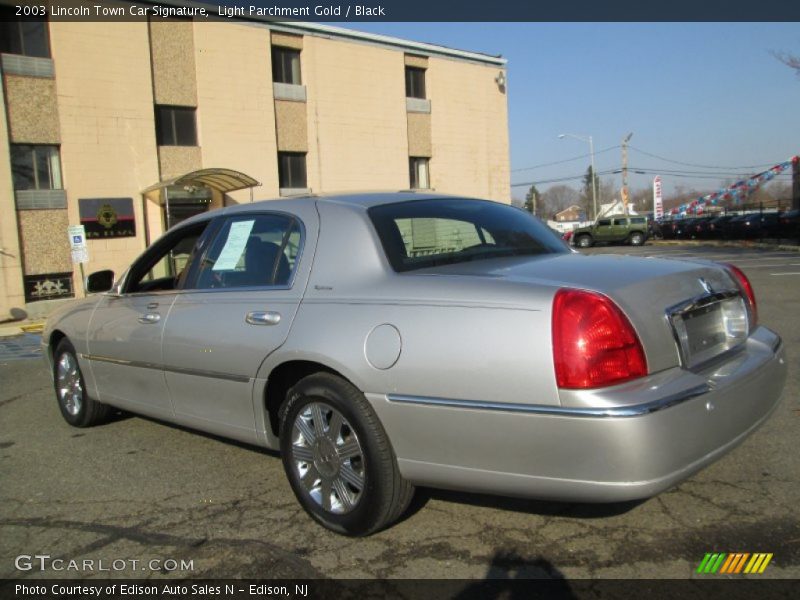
(129, 127)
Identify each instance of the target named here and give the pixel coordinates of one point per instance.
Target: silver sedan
(383, 341)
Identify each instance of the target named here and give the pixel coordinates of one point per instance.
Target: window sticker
(234, 246)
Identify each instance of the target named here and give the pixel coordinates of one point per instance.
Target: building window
(291, 169)
(286, 65)
(27, 37)
(176, 126)
(35, 167)
(418, 172)
(415, 82)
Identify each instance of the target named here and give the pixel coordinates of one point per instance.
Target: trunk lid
(650, 292)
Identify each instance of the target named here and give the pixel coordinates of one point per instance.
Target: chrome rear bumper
(622, 443)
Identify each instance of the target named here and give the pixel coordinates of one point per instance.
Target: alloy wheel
(328, 458)
(70, 388)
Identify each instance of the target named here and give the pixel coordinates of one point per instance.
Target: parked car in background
(383, 341)
(690, 229)
(718, 227)
(617, 229)
(755, 225)
(789, 224)
(668, 228)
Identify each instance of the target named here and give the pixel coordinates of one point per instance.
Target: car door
(126, 328)
(603, 230)
(237, 310)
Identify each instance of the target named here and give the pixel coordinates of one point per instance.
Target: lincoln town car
(391, 340)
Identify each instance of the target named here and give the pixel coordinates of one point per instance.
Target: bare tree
(557, 198)
(790, 60)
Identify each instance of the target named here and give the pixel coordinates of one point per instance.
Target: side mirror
(100, 281)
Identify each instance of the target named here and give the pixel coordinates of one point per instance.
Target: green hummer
(618, 229)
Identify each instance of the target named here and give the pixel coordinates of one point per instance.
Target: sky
(707, 94)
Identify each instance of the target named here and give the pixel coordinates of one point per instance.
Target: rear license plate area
(707, 329)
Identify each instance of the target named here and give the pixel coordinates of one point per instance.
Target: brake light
(594, 343)
(747, 290)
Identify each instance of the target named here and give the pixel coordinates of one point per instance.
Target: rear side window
(638, 220)
(252, 251)
(426, 233)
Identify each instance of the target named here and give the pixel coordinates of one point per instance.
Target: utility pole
(796, 182)
(625, 141)
(584, 138)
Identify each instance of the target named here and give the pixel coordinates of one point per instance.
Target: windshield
(427, 233)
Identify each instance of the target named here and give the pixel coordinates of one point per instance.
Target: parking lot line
(790, 273)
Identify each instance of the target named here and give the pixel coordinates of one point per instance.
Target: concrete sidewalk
(16, 328)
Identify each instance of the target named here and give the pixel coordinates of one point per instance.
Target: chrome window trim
(636, 410)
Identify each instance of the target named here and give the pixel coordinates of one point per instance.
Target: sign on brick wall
(48, 286)
(106, 218)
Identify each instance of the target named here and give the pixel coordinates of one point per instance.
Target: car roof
(363, 200)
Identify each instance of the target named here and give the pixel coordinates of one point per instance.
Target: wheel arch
(282, 378)
(52, 343)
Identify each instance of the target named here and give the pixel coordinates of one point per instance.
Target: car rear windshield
(431, 232)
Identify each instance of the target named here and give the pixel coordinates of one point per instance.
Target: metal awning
(222, 180)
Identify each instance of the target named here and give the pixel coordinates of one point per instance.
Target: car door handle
(150, 318)
(263, 318)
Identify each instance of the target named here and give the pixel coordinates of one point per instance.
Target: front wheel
(584, 241)
(338, 459)
(637, 239)
(76, 407)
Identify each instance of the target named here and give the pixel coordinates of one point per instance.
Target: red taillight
(747, 289)
(594, 343)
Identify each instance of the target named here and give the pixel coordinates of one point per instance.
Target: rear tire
(76, 407)
(338, 458)
(584, 241)
(637, 239)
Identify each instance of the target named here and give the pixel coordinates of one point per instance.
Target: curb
(726, 244)
(21, 328)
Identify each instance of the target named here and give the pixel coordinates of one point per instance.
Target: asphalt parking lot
(140, 489)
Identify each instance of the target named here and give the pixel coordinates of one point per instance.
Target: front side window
(292, 170)
(165, 266)
(35, 167)
(27, 37)
(176, 126)
(415, 82)
(252, 251)
(604, 222)
(418, 173)
(286, 65)
(427, 233)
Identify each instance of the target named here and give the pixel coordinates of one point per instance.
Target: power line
(561, 179)
(650, 171)
(686, 164)
(566, 160)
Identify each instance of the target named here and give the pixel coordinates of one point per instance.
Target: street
(138, 489)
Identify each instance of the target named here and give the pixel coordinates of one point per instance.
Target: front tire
(584, 241)
(76, 407)
(338, 459)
